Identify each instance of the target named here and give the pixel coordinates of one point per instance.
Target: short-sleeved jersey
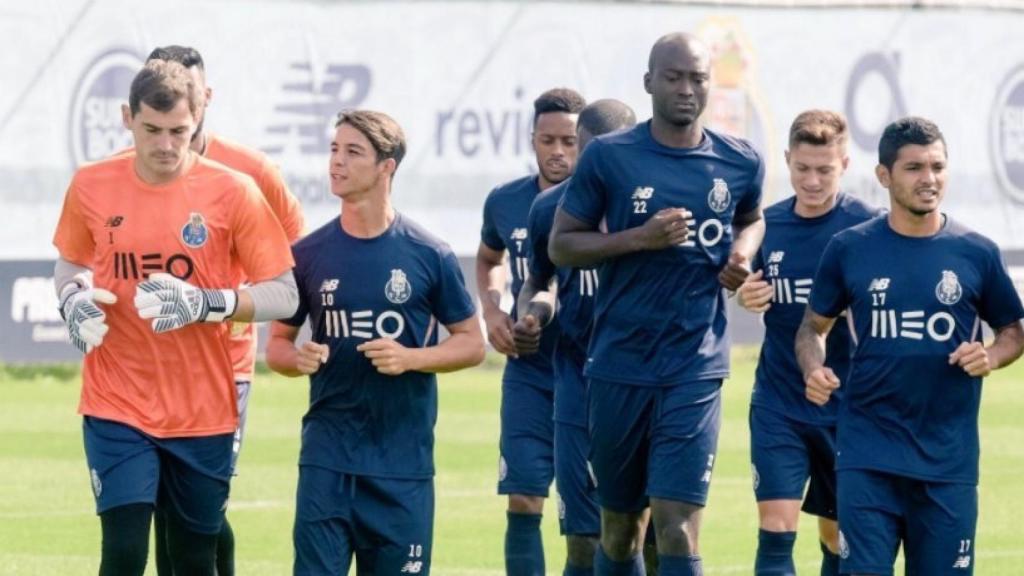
(911, 302)
(397, 285)
(659, 317)
(576, 290)
(197, 227)
(789, 258)
(288, 212)
(505, 228)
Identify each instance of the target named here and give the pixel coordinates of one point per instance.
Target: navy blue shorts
(785, 453)
(578, 511)
(653, 442)
(388, 524)
(935, 522)
(188, 477)
(526, 463)
(242, 387)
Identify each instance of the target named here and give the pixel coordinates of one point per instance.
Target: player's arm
(463, 348)
(490, 282)
(578, 244)
(820, 380)
(748, 232)
(979, 360)
(285, 358)
(536, 309)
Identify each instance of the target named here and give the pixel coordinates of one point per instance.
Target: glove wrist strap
(220, 305)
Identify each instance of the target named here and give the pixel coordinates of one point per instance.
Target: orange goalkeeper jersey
(288, 212)
(198, 228)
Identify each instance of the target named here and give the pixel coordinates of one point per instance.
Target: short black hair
(604, 116)
(558, 100)
(187, 56)
(909, 130)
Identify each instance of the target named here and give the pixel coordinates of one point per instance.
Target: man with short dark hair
(526, 460)
(374, 285)
(682, 208)
(915, 287)
(170, 228)
(791, 439)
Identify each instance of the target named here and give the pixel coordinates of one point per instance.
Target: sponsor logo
(96, 125)
(1006, 140)
(518, 234)
(363, 324)
(756, 476)
(640, 197)
(412, 567)
(194, 233)
(134, 266)
(874, 84)
(911, 324)
(791, 291)
(776, 257)
(502, 469)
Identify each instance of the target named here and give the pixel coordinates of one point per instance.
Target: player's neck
(199, 142)
(675, 136)
(543, 183)
(906, 223)
(157, 178)
(367, 217)
(809, 211)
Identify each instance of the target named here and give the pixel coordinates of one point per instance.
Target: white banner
(461, 76)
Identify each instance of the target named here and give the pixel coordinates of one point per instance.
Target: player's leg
(322, 532)
(579, 514)
(941, 522)
(525, 472)
(393, 525)
(163, 559)
(871, 522)
(226, 539)
(124, 470)
(619, 417)
(821, 493)
(684, 439)
(779, 461)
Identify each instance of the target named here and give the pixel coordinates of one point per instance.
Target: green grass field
(47, 525)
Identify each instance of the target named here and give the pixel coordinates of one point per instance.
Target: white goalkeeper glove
(87, 323)
(173, 303)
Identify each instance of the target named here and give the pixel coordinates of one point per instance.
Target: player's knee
(677, 526)
(779, 515)
(522, 504)
(580, 550)
(125, 545)
(621, 534)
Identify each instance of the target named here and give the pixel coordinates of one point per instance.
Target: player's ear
(786, 154)
(846, 163)
(882, 173)
(126, 116)
(209, 95)
(647, 82)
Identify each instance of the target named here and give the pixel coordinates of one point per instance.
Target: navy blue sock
(524, 549)
(829, 562)
(605, 566)
(679, 565)
(775, 554)
(571, 570)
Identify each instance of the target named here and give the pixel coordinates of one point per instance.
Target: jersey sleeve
(285, 206)
(259, 241)
(302, 311)
(1000, 303)
(539, 223)
(73, 239)
(450, 302)
(752, 198)
(828, 295)
(585, 196)
(489, 231)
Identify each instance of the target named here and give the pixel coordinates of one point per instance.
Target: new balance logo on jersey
(114, 221)
(329, 285)
(776, 257)
(518, 234)
(791, 291)
(640, 197)
(878, 285)
(363, 324)
(588, 282)
(412, 567)
(912, 325)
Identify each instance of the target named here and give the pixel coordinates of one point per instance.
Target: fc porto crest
(948, 290)
(719, 198)
(398, 290)
(194, 233)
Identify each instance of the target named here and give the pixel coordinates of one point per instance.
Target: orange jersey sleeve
(73, 238)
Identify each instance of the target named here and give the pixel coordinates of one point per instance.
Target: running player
(682, 207)
(791, 439)
(916, 286)
(373, 284)
(526, 460)
(579, 513)
(171, 228)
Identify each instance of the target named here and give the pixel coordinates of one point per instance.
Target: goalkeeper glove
(87, 323)
(173, 303)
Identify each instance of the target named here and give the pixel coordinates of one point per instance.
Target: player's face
(917, 181)
(814, 172)
(554, 142)
(161, 140)
(679, 85)
(354, 168)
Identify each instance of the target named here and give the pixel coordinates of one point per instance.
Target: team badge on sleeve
(719, 198)
(948, 290)
(398, 289)
(194, 233)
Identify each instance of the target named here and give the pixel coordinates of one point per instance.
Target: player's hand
(973, 358)
(173, 303)
(735, 272)
(668, 227)
(311, 356)
(755, 294)
(388, 356)
(87, 323)
(821, 382)
(499, 332)
(526, 333)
